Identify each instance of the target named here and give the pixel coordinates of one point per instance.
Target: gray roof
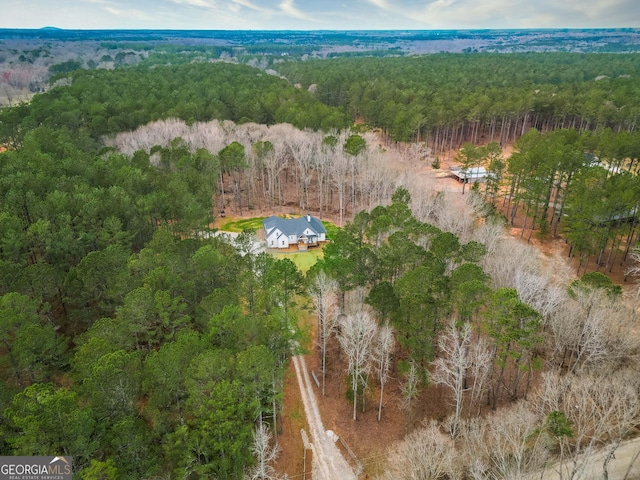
(293, 226)
(470, 172)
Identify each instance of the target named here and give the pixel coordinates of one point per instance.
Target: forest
(144, 347)
(445, 100)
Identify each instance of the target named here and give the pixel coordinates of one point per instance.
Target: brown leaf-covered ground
(368, 438)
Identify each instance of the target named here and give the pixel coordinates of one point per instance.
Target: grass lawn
(303, 260)
(238, 225)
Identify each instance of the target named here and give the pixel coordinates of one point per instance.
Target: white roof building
(304, 232)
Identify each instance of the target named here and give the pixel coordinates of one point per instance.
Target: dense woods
(144, 347)
(124, 333)
(335, 173)
(119, 314)
(448, 99)
(99, 102)
(473, 312)
(583, 187)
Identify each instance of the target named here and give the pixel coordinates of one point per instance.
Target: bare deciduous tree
(600, 409)
(509, 257)
(280, 161)
(505, 445)
(536, 290)
(633, 269)
(426, 454)
(323, 292)
(490, 233)
(425, 198)
(457, 217)
(298, 157)
(625, 413)
(354, 300)
(303, 147)
(384, 346)
(322, 164)
(147, 136)
(249, 135)
(357, 333)
(375, 177)
(451, 366)
(210, 135)
(264, 454)
(481, 362)
(339, 169)
(410, 386)
(592, 331)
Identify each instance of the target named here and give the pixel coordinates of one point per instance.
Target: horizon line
(52, 28)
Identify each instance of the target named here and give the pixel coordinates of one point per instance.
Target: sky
(318, 14)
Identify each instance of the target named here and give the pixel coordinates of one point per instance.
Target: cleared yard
(303, 260)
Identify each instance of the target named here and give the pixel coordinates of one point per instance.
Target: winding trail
(328, 461)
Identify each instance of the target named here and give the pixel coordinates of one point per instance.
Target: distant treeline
(448, 99)
(101, 102)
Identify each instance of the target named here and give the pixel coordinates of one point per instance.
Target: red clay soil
(556, 249)
(290, 460)
(550, 247)
(368, 438)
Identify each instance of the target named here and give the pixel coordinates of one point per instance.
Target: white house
(304, 232)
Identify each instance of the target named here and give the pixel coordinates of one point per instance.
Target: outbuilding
(469, 175)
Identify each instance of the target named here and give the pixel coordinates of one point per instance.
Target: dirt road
(329, 464)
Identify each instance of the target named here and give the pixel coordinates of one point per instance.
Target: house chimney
(308, 218)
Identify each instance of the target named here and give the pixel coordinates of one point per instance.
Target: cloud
(509, 13)
(98, 2)
(251, 5)
(210, 4)
(466, 14)
(128, 13)
(119, 9)
(289, 8)
(326, 14)
(382, 4)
